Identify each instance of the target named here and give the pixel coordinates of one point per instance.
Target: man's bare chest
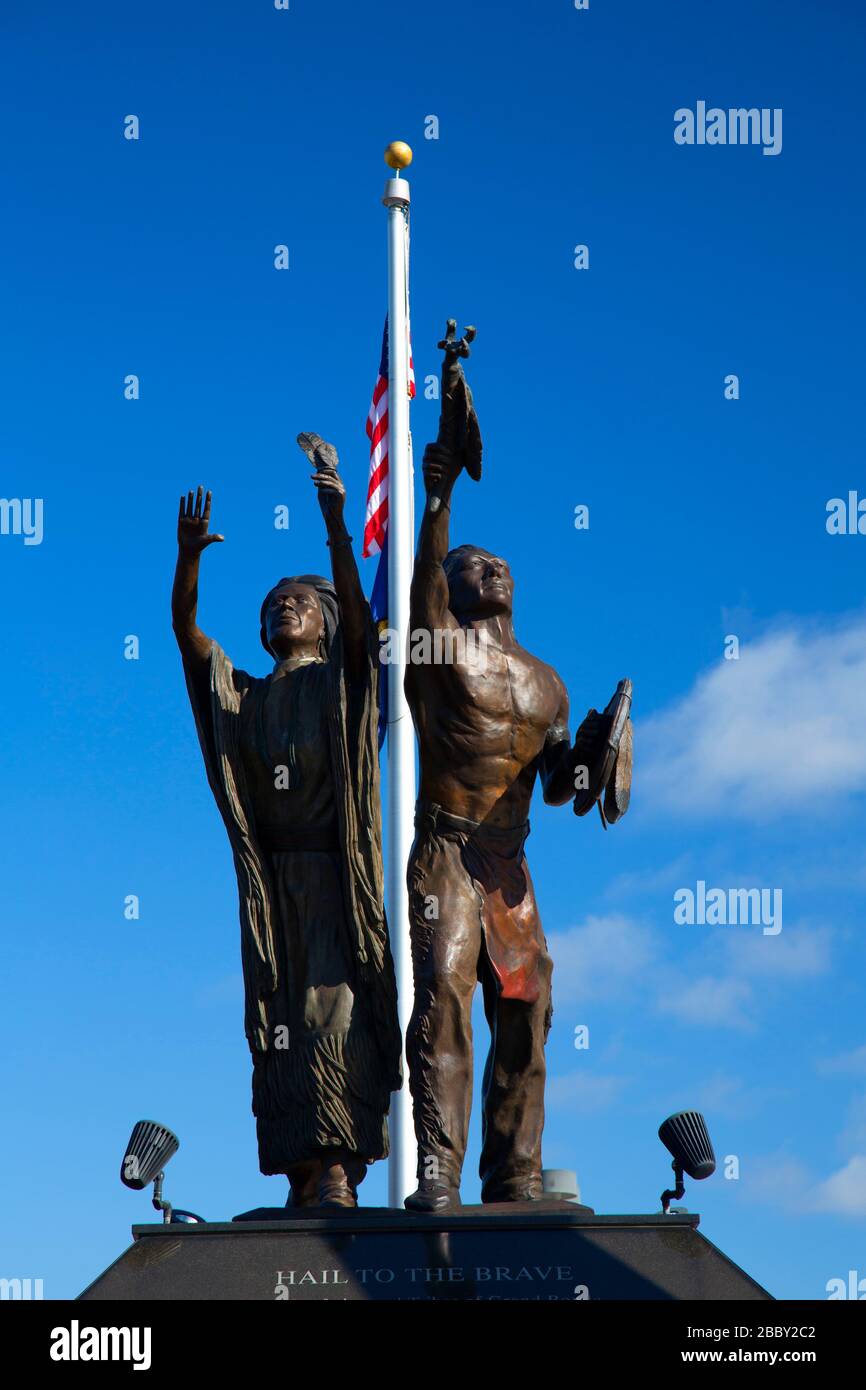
(512, 688)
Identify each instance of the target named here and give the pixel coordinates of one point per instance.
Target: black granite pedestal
(550, 1250)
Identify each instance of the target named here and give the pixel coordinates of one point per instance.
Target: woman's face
(294, 622)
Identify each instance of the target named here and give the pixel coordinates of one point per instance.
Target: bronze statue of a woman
(293, 765)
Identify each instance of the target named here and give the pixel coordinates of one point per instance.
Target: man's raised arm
(428, 603)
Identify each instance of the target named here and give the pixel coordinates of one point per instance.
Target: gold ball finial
(398, 155)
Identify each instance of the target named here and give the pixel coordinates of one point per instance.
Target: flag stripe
(376, 518)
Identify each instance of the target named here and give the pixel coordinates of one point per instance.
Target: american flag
(376, 521)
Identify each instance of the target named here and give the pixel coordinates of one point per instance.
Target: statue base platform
(524, 1251)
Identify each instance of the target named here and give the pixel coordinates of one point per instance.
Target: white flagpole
(401, 737)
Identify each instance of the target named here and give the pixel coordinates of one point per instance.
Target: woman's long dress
(320, 1084)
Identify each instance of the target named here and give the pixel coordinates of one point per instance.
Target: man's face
(480, 585)
(294, 622)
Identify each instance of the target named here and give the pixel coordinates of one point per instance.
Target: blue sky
(603, 387)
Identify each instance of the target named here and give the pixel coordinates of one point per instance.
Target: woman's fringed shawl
(352, 726)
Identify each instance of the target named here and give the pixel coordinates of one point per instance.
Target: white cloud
(782, 1181)
(730, 1096)
(777, 1180)
(845, 1064)
(726, 998)
(778, 730)
(600, 959)
(796, 953)
(844, 1193)
(720, 1095)
(582, 1091)
(709, 1001)
(608, 957)
(853, 1137)
(653, 883)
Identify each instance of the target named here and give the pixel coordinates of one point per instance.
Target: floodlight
(149, 1149)
(685, 1136)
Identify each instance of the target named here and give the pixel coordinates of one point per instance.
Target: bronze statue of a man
(292, 763)
(488, 723)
